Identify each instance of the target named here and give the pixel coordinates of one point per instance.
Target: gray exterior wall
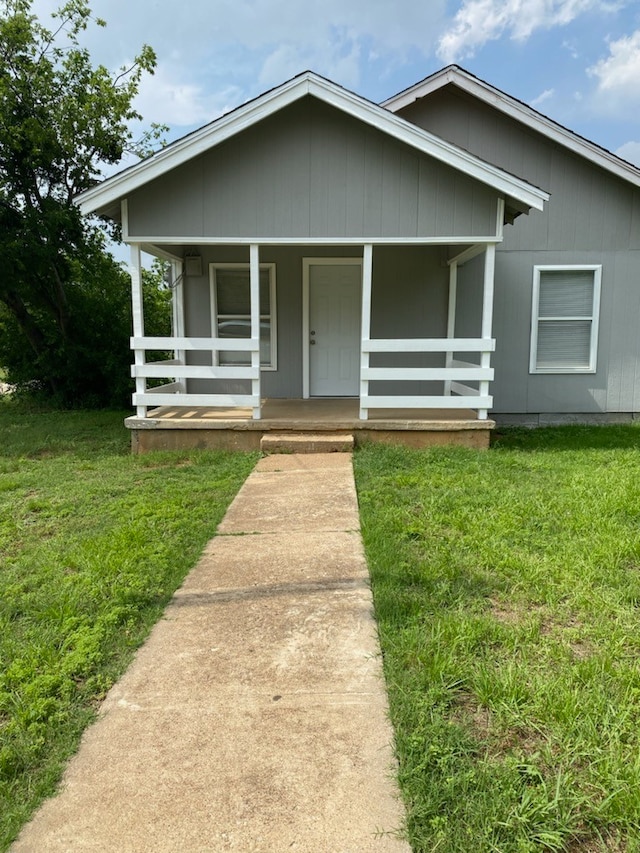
(593, 217)
(409, 295)
(312, 171)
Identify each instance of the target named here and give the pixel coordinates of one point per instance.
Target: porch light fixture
(192, 265)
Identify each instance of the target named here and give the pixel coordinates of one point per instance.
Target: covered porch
(411, 383)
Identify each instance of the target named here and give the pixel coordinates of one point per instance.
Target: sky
(576, 61)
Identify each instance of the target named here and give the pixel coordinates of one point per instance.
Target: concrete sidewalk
(255, 717)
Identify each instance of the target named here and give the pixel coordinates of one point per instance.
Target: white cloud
(618, 73)
(542, 97)
(630, 152)
(480, 21)
(342, 56)
(167, 98)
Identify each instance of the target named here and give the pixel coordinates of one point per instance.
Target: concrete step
(306, 442)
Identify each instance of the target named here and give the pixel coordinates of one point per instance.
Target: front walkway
(255, 716)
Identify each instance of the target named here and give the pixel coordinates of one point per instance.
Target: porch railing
(179, 371)
(455, 375)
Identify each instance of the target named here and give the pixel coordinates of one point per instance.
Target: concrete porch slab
(175, 428)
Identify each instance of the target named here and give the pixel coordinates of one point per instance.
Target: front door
(334, 326)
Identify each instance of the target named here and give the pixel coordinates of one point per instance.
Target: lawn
(93, 542)
(507, 592)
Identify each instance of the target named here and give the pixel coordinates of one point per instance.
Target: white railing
(456, 395)
(179, 372)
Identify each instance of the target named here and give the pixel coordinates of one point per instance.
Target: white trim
(226, 401)
(254, 302)
(124, 217)
(162, 343)
(469, 402)
(469, 254)
(451, 317)
(429, 345)
(520, 112)
(594, 319)
(487, 322)
(271, 267)
(365, 323)
(471, 374)
(190, 240)
(307, 263)
(121, 185)
(500, 219)
(135, 271)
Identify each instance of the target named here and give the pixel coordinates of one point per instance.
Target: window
(564, 326)
(231, 311)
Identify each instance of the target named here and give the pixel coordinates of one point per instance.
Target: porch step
(307, 442)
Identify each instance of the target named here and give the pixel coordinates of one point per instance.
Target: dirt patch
(466, 711)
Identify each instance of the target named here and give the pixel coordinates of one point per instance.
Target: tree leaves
(61, 121)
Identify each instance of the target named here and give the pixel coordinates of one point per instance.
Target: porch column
(487, 317)
(365, 325)
(135, 271)
(254, 271)
(177, 316)
(451, 318)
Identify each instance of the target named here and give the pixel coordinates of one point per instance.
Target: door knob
(312, 342)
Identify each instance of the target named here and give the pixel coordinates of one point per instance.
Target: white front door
(333, 330)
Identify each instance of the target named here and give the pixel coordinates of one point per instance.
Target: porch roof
(105, 198)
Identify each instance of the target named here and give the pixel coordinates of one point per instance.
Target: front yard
(93, 542)
(507, 591)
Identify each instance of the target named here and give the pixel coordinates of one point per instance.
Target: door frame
(306, 264)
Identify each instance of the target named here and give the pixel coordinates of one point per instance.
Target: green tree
(61, 121)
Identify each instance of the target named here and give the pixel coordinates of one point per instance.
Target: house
(409, 270)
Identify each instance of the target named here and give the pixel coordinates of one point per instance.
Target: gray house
(415, 268)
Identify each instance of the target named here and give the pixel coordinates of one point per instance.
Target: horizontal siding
(312, 171)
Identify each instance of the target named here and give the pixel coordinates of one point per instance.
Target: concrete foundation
(203, 429)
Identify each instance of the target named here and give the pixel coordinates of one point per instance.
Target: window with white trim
(564, 323)
(231, 311)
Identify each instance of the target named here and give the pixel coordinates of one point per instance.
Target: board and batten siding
(310, 170)
(592, 217)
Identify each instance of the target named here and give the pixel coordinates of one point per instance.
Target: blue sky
(577, 61)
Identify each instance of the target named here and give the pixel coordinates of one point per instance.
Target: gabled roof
(518, 110)
(101, 198)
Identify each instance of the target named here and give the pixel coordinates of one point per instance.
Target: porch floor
(174, 427)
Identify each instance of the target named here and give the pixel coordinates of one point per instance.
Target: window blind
(565, 316)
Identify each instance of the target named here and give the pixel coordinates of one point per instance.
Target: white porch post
(135, 271)
(254, 267)
(365, 331)
(487, 317)
(177, 317)
(451, 318)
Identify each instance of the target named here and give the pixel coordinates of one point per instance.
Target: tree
(61, 121)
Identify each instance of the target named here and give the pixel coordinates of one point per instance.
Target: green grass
(507, 592)
(93, 542)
